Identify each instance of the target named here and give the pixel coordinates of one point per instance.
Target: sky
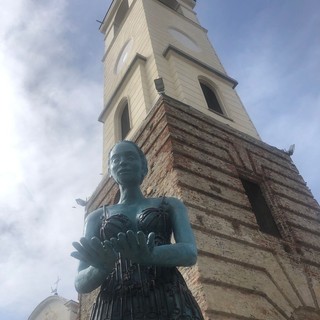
(51, 96)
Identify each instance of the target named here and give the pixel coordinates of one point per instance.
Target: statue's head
(127, 163)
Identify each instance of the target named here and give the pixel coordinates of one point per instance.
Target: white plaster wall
(190, 93)
(53, 308)
(146, 24)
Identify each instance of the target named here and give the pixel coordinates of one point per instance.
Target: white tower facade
(150, 39)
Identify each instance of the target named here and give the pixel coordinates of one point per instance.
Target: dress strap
(106, 212)
(104, 218)
(163, 200)
(163, 204)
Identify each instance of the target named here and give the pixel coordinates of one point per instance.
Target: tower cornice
(187, 56)
(112, 8)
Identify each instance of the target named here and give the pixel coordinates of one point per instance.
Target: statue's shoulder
(95, 215)
(173, 201)
(168, 202)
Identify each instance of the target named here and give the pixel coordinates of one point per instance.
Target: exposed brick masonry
(241, 272)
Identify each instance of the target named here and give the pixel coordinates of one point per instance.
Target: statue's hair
(141, 155)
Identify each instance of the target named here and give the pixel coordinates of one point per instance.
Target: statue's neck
(130, 195)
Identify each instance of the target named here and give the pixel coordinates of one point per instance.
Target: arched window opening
(125, 122)
(211, 98)
(260, 208)
(121, 13)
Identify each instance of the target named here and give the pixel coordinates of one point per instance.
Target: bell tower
(151, 39)
(255, 221)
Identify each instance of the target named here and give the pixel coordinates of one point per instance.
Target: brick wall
(241, 272)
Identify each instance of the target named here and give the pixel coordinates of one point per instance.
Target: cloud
(52, 150)
(51, 142)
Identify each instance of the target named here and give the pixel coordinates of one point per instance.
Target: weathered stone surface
(247, 305)
(244, 277)
(306, 314)
(241, 272)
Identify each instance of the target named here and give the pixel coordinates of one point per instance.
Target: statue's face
(125, 164)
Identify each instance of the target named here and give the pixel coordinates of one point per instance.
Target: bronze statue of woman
(127, 250)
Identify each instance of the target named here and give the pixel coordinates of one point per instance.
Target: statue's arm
(96, 259)
(184, 251)
(89, 278)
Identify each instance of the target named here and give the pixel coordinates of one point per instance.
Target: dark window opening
(260, 208)
(121, 13)
(125, 122)
(211, 98)
(173, 4)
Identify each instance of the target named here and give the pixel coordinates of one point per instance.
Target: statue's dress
(133, 291)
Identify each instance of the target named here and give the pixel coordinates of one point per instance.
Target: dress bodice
(152, 219)
(128, 275)
(132, 291)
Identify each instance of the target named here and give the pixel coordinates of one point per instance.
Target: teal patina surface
(127, 249)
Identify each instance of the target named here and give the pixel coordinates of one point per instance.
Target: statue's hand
(135, 247)
(94, 252)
